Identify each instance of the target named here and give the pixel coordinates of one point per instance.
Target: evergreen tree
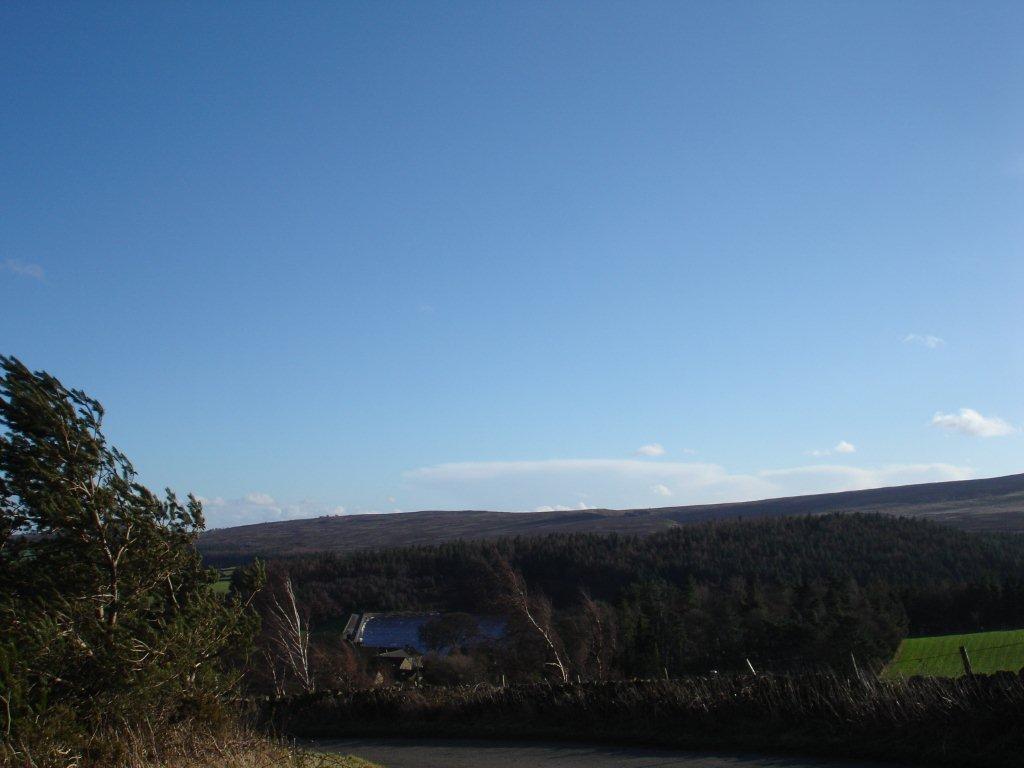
(107, 618)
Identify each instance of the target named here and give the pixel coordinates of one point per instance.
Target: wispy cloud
(561, 507)
(924, 340)
(579, 484)
(498, 470)
(259, 507)
(260, 499)
(827, 478)
(969, 422)
(652, 449)
(24, 269)
(519, 485)
(841, 447)
(624, 483)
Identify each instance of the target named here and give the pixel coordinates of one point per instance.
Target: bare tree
(535, 611)
(275, 671)
(598, 630)
(288, 632)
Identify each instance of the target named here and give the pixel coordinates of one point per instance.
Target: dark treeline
(785, 593)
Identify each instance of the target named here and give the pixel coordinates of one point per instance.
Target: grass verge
(188, 747)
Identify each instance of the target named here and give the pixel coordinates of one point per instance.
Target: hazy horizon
(321, 514)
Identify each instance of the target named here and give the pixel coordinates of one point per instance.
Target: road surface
(453, 753)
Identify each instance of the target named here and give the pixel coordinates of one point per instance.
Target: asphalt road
(443, 753)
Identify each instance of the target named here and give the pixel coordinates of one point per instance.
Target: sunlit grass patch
(939, 656)
(223, 583)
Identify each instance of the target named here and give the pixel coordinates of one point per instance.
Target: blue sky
(369, 257)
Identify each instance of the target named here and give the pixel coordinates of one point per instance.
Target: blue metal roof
(402, 630)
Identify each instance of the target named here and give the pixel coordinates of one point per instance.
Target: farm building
(396, 642)
(385, 632)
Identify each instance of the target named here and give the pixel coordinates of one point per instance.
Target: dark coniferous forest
(786, 593)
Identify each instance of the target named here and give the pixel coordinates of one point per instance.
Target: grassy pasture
(223, 583)
(939, 656)
(187, 745)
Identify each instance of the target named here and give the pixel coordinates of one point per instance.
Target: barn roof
(402, 630)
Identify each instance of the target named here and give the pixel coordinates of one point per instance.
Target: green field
(940, 656)
(221, 585)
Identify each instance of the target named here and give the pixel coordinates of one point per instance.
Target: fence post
(966, 660)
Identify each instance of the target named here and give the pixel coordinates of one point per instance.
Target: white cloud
(653, 449)
(519, 485)
(612, 483)
(924, 340)
(492, 470)
(627, 483)
(829, 478)
(24, 269)
(969, 422)
(258, 507)
(841, 447)
(260, 499)
(560, 508)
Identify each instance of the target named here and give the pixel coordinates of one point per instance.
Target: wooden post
(752, 670)
(966, 660)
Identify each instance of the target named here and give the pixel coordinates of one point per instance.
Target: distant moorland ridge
(991, 504)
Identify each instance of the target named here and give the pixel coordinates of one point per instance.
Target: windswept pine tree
(107, 619)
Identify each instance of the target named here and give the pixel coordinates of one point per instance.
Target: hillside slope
(992, 504)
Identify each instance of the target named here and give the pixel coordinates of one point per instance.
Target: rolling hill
(991, 504)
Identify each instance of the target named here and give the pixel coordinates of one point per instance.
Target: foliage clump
(108, 622)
